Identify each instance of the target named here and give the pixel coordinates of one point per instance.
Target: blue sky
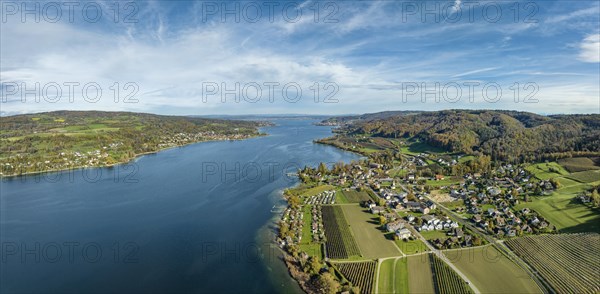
(177, 57)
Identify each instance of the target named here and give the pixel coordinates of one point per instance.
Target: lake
(198, 218)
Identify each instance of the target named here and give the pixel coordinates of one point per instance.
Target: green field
(545, 171)
(564, 211)
(393, 276)
(585, 176)
(355, 196)
(340, 243)
(365, 228)
(420, 278)
(577, 164)
(490, 271)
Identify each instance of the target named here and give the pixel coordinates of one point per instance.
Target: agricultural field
(446, 279)
(360, 274)
(340, 243)
(577, 164)
(420, 275)
(393, 276)
(355, 196)
(585, 176)
(365, 227)
(491, 271)
(570, 263)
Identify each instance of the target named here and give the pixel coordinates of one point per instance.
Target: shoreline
(135, 157)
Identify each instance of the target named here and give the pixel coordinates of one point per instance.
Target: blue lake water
(194, 219)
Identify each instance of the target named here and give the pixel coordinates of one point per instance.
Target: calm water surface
(193, 219)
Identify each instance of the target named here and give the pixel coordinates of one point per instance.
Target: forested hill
(506, 135)
(70, 139)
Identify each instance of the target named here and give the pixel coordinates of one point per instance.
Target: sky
(303, 57)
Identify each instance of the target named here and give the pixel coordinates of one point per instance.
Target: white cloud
(591, 11)
(590, 49)
(475, 71)
(456, 6)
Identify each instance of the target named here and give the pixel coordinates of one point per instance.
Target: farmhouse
(403, 233)
(394, 226)
(377, 209)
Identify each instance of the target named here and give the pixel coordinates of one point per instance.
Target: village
(419, 203)
(110, 154)
(488, 200)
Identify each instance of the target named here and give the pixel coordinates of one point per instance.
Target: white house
(403, 233)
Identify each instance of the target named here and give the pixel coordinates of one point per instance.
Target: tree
(327, 284)
(322, 169)
(382, 220)
(476, 241)
(314, 265)
(595, 198)
(514, 193)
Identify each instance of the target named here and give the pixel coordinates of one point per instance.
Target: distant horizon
(300, 114)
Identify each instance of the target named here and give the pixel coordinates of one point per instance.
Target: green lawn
(564, 212)
(365, 228)
(466, 158)
(386, 277)
(393, 276)
(401, 276)
(307, 226)
(447, 181)
(432, 235)
(307, 245)
(412, 246)
(313, 249)
(492, 272)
